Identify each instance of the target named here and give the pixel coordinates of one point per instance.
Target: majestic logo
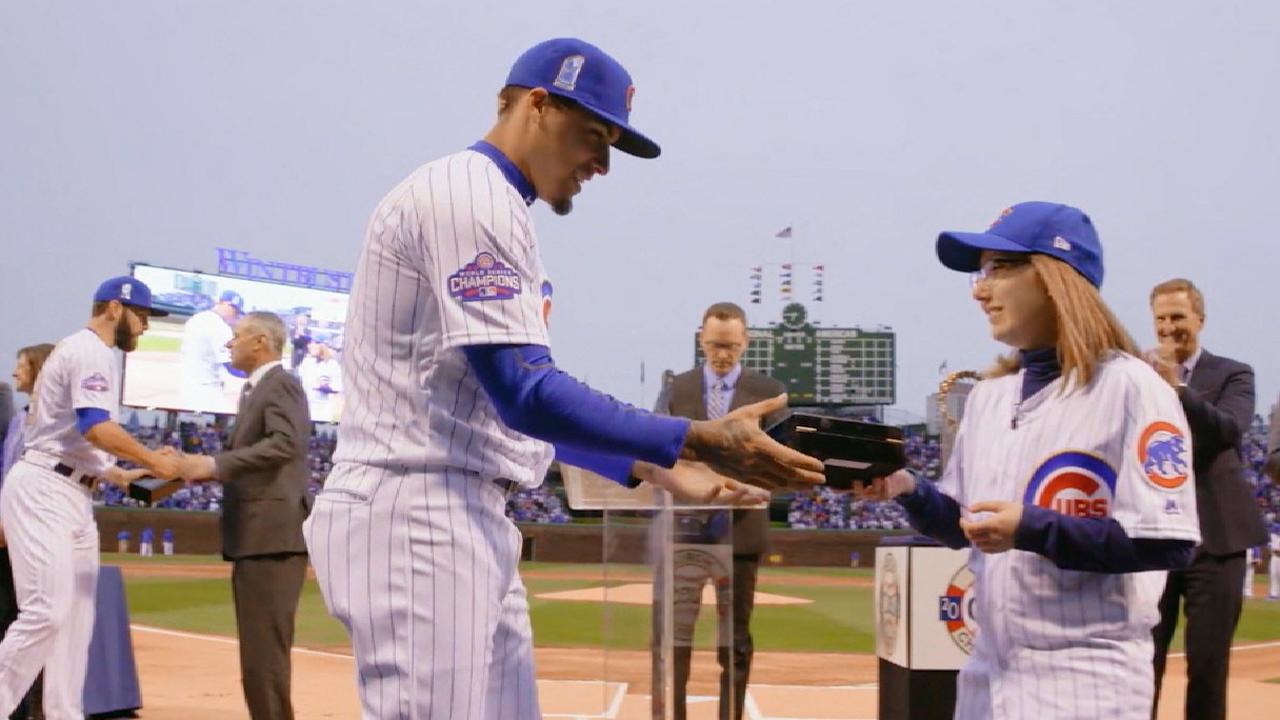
(890, 605)
(484, 278)
(955, 610)
(95, 383)
(1073, 483)
(1162, 452)
(567, 79)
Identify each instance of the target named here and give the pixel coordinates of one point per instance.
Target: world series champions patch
(1073, 483)
(484, 278)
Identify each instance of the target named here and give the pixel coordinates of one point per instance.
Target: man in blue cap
(454, 400)
(72, 441)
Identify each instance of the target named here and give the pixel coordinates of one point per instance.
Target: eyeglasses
(998, 268)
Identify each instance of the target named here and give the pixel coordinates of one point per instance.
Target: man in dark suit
(718, 386)
(264, 474)
(1217, 396)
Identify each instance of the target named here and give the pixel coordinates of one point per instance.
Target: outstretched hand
(734, 445)
(696, 483)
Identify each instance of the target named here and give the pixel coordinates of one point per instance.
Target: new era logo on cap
(577, 70)
(1053, 229)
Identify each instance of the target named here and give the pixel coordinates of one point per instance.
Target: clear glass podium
(667, 600)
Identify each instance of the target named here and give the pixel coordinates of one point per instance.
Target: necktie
(715, 401)
(244, 397)
(1183, 374)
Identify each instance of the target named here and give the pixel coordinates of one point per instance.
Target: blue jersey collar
(509, 170)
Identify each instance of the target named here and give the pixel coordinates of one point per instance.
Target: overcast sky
(157, 131)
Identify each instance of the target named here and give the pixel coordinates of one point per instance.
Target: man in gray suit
(719, 386)
(264, 474)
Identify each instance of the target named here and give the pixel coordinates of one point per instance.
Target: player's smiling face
(1017, 304)
(573, 147)
(1177, 323)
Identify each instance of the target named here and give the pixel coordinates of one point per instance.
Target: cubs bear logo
(1073, 483)
(1162, 453)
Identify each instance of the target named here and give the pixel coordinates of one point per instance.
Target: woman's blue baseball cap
(1052, 229)
(577, 70)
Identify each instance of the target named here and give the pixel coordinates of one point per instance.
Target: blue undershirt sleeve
(87, 417)
(934, 514)
(1096, 544)
(234, 372)
(534, 397)
(614, 467)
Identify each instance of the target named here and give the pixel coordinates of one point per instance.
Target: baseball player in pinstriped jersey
(454, 399)
(71, 442)
(1071, 480)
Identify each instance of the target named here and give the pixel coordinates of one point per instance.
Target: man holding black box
(264, 474)
(708, 392)
(72, 441)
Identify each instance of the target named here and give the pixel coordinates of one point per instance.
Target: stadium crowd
(820, 508)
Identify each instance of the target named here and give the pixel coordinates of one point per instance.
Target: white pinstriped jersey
(450, 259)
(1053, 642)
(82, 372)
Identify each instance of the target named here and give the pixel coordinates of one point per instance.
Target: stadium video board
(182, 362)
(822, 365)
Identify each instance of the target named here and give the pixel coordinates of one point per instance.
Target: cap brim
(151, 311)
(631, 141)
(963, 251)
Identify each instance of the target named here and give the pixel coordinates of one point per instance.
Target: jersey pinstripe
(1054, 642)
(450, 259)
(82, 372)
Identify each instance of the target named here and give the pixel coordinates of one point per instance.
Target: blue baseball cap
(577, 70)
(129, 291)
(232, 298)
(1052, 229)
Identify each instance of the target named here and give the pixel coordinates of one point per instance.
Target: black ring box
(853, 452)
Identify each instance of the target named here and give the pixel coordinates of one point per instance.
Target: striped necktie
(715, 400)
(244, 397)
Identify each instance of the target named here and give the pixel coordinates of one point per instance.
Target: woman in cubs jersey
(1070, 481)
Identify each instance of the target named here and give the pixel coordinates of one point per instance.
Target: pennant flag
(784, 232)
(786, 266)
(819, 268)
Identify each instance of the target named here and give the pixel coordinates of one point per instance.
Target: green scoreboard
(822, 365)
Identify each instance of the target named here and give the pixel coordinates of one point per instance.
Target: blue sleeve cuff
(86, 418)
(1096, 544)
(234, 372)
(934, 514)
(617, 469)
(534, 397)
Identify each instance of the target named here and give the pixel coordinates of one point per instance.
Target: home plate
(642, 594)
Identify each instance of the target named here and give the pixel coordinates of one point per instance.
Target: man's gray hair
(269, 324)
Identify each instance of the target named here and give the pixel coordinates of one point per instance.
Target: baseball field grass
(838, 618)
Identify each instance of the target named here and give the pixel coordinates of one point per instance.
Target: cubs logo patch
(484, 278)
(955, 610)
(95, 383)
(570, 68)
(1162, 453)
(546, 302)
(1073, 483)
